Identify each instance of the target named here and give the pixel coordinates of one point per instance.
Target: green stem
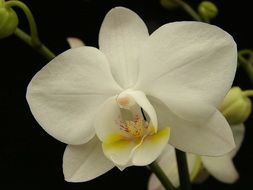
(189, 10)
(32, 24)
(247, 52)
(248, 93)
(246, 64)
(161, 176)
(42, 49)
(185, 183)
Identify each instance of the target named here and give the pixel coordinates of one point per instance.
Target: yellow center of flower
(135, 128)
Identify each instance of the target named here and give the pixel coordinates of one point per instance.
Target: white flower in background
(221, 168)
(93, 99)
(75, 42)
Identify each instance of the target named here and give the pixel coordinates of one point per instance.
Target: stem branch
(246, 64)
(185, 183)
(189, 10)
(32, 24)
(161, 176)
(41, 49)
(248, 93)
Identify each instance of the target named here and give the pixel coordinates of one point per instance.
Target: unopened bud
(236, 106)
(8, 20)
(207, 10)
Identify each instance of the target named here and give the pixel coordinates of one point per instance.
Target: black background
(29, 157)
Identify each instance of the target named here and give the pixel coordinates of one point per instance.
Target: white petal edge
(222, 168)
(212, 138)
(85, 162)
(66, 93)
(121, 37)
(186, 60)
(239, 133)
(75, 42)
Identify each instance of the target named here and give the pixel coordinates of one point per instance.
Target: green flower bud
(207, 10)
(168, 4)
(8, 20)
(236, 106)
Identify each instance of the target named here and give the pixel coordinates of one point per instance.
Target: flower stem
(40, 48)
(246, 64)
(184, 177)
(248, 93)
(161, 176)
(32, 24)
(32, 40)
(188, 9)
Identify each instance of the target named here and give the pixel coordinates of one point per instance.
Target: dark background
(29, 157)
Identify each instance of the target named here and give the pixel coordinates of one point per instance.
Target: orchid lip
(125, 132)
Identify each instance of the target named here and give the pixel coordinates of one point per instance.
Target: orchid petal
(75, 42)
(168, 163)
(121, 36)
(85, 162)
(239, 133)
(214, 137)
(151, 147)
(65, 94)
(190, 61)
(222, 168)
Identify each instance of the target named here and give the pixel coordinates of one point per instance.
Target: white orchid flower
(93, 99)
(221, 168)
